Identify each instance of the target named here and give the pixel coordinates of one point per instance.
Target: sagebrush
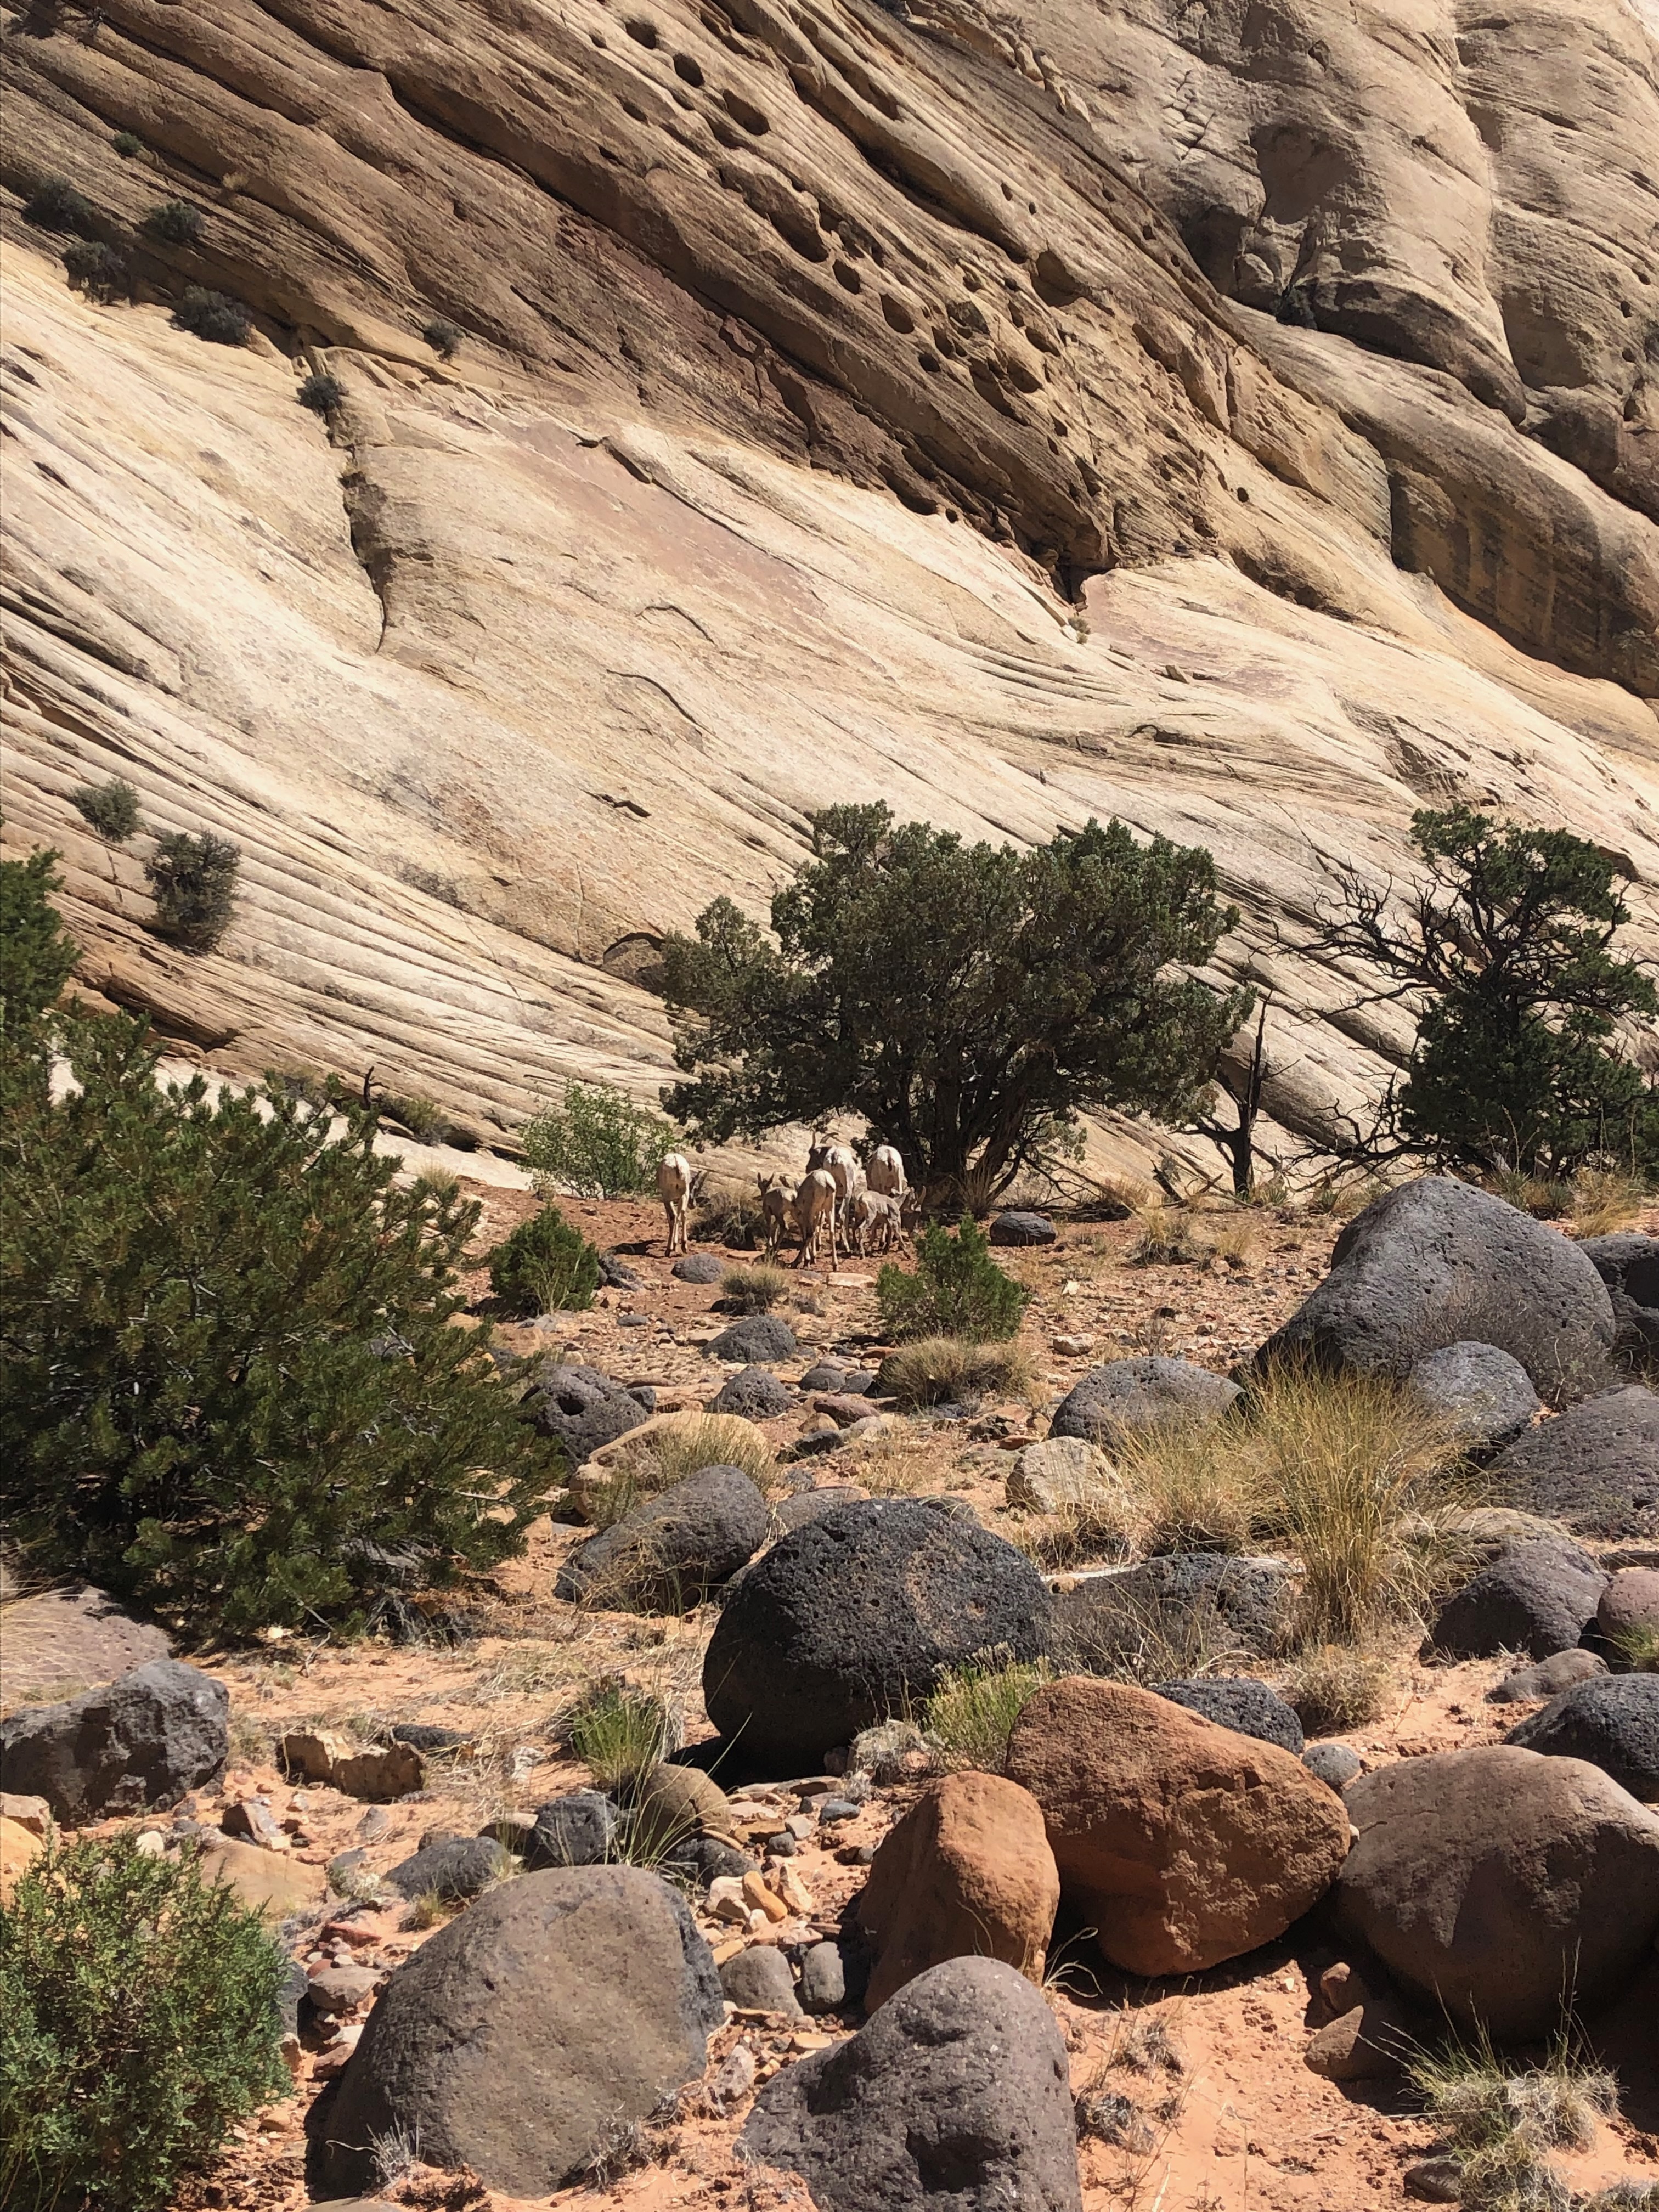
(111, 808)
(139, 2024)
(597, 1144)
(545, 1266)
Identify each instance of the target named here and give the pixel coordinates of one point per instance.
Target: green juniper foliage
(957, 1289)
(139, 2024)
(969, 1002)
(545, 1266)
(213, 316)
(1507, 943)
(54, 203)
(111, 808)
(598, 1143)
(193, 882)
(226, 1375)
(175, 222)
(37, 954)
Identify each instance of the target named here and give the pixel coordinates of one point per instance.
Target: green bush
(175, 222)
(957, 1289)
(322, 394)
(545, 1266)
(598, 1143)
(193, 882)
(111, 808)
(99, 271)
(55, 204)
(127, 144)
(444, 337)
(227, 1379)
(37, 954)
(139, 2024)
(213, 316)
(422, 1117)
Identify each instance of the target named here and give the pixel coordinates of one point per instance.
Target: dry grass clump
(947, 1370)
(1606, 1200)
(1501, 2119)
(1193, 1486)
(1234, 1238)
(1081, 1532)
(728, 1213)
(620, 1734)
(894, 1466)
(1337, 1687)
(754, 1290)
(1168, 1238)
(668, 1455)
(1637, 1648)
(970, 1717)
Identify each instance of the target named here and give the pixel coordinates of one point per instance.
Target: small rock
(758, 1980)
(700, 1267)
(423, 1736)
(582, 1408)
(837, 1808)
(822, 1982)
(1059, 1473)
(678, 1802)
(1536, 1597)
(1545, 1678)
(755, 1392)
(309, 1754)
(251, 1818)
(671, 1549)
(1436, 2180)
(383, 1772)
(460, 1869)
(1629, 1265)
(1072, 1347)
(341, 1989)
(1631, 1601)
(1018, 1226)
(275, 1883)
(823, 1376)
(31, 1813)
(616, 1275)
(1334, 1763)
(733, 2078)
(753, 1340)
(1486, 1395)
(1236, 1701)
(1112, 1402)
(1364, 2044)
(812, 1505)
(578, 1830)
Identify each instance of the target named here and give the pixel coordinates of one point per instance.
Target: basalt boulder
(1112, 1402)
(672, 1550)
(138, 1743)
(1595, 1468)
(1612, 1721)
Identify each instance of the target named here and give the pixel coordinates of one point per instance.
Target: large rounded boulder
(1485, 1396)
(135, 1744)
(957, 2093)
(582, 1408)
(1612, 1721)
(515, 2038)
(1497, 1883)
(1596, 1467)
(1113, 1402)
(1538, 1598)
(1182, 1842)
(1196, 1605)
(967, 1873)
(1438, 1263)
(856, 1616)
(1629, 1265)
(670, 1552)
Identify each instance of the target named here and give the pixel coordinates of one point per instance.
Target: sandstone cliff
(1238, 417)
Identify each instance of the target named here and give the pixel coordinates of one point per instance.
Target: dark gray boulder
(812, 1505)
(1596, 1467)
(582, 1408)
(1111, 1402)
(577, 1830)
(672, 1550)
(1612, 1721)
(1485, 1396)
(1629, 1265)
(1546, 1678)
(823, 1377)
(701, 1267)
(1437, 1262)
(956, 2095)
(518, 2037)
(136, 1744)
(1237, 1702)
(758, 1979)
(455, 1869)
(755, 1392)
(1536, 1597)
(1334, 1763)
(753, 1340)
(822, 1979)
(1018, 1226)
(616, 1273)
(856, 1616)
(1199, 1606)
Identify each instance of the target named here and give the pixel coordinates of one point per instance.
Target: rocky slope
(1241, 419)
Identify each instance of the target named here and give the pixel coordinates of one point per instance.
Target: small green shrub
(957, 1289)
(971, 1715)
(192, 880)
(321, 393)
(139, 2024)
(111, 808)
(754, 1290)
(423, 1118)
(620, 1734)
(444, 337)
(598, 1144)
(127, 144)
(37, 954)
(545, 1266)
(56, 204)
(213, 316)
(176, 222)
(99, 271)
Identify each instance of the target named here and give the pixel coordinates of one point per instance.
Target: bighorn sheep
(841, 1166)
(876, 1221)
(775, 1218)
(887, 1174)
(674, 1179)
(812, 1210)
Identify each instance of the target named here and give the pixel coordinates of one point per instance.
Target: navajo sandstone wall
(852, 404)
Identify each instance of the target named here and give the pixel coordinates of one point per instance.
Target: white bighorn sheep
(674, 1181)
(812, 1210)
(877, 1223)
(842, 1168)
(776, 1223)
(887, 1174)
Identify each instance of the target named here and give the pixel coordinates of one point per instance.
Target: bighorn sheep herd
(860, 1211)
